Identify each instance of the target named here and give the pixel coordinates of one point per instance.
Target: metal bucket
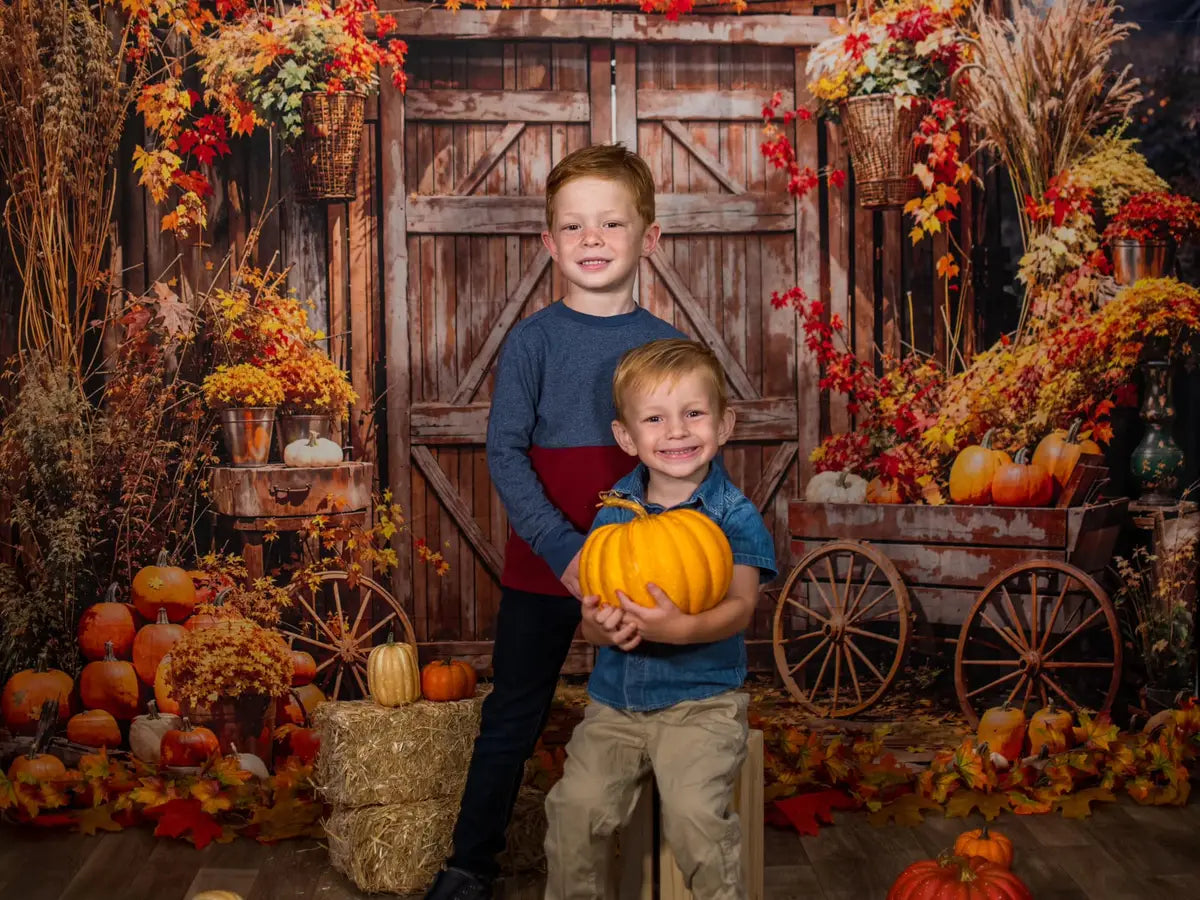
(247, 434)
(1134, 260)
(296, 426)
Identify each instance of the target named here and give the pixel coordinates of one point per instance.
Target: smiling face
(676, 428)
(597, 238)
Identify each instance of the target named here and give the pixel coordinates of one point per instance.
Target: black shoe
(455, 884)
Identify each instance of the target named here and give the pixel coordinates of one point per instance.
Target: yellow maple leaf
(211, 796)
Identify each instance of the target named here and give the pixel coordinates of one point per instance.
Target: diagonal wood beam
(490, 158)
(679, 131)
(708, 333)
(773, 474)
(453, 501)
(508, 315)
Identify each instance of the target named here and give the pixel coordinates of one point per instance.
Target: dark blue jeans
(533, 636)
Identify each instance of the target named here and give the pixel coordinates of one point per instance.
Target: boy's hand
(611, 622)
(570, 577)
(664, 622)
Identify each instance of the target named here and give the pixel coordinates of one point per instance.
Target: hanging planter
(1134, 260)
(325, 156)
(881, 148)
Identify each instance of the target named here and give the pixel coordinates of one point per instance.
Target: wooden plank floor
(1122, 851)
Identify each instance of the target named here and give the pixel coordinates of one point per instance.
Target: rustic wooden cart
(1021, 585)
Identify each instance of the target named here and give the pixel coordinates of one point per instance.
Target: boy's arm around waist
(511, 420)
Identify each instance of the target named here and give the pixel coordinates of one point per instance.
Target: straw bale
(399, 847)
(373, 755)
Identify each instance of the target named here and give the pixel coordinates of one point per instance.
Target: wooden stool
(641, 842)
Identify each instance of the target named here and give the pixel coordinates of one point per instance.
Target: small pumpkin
(211, 612)
(110, 684)
(447, 679)
(1003, 729)
(163, 688)
(163, 586)
(991, 845)
(836, 487)
(295, 740)
(1021, 483)
(38, 766)
(1059, 451)
(1052, 728)
(94, 728)
(393, 677)
(957, 878)
(108, 620)
(972, 472)
(188, 745)
(153, 642)
(884, 490)
(312, 451)
(682, 551)
(146, 733)
(304, 667)
(25, 692)
(249, 762)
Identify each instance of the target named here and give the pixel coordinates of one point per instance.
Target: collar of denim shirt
(709, 496)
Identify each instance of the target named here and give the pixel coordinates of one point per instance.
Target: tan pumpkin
(152, 643)
(146, 733)
(94, 728)
(25, 692)
(310, 697)
(312, 451)
(163, 586)
(1003, 729)
(836, 487)
(991, 845)
(884, 490)
(393, 677)
(110, 684)
(188, 745)
(1021, 483)
(972, 472)
(1052, 728)
(447, 679)
(107, 621)
(682, 551)
(1059, 451)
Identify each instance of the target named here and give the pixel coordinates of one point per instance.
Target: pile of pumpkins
(1011, 737)
(979, 476)
(394, 678)
(978, 867)
(127, 646)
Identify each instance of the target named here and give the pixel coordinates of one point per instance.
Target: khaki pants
(695, 749)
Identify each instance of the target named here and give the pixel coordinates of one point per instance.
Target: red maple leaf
(807, 812)
(178, 817)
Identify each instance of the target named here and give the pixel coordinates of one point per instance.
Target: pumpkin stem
(161, 618)
(187, 724)
(391, 638)
(219, 600)
(110, 595)
(152, 710)
(164, 558)
(983, 832)
(611, 499)
(109, 655)
(312, 437)
(1073, 431)
(986, 443)
(841, 479)
(1021, 457)
(982, 750)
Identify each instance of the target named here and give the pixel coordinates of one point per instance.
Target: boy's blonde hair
(644, 368)
(611, 161)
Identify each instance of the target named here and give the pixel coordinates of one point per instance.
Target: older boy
(664, 690)
(550, 454)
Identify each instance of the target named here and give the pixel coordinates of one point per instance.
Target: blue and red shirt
(550, 448)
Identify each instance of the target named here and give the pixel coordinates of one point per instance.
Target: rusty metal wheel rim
(341, 651)
(842, 606)
(1026, 646)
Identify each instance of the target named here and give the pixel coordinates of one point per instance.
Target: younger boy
(550, 453)
(665, 686)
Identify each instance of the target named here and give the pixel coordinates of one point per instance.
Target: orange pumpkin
(153, 642)
(682, 551)
(163, 586)
(1058, 452)
(162, 688)
(1003, 729)
(38, 766)
(447, 679)
(25, 692)
(991, 845)
(1052, 728)
(972, 472)
(304, 667)
(107, 621)
(210, 612)
(188, 745)
(110, 684)
(295, 740)
(957, 878)
(94, 728)
(1019, 483)
(884, 490)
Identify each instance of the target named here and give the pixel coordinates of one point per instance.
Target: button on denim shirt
(653, 675)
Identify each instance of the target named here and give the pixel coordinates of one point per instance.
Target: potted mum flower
(1145, 231)
(306, 72)
(245, 396)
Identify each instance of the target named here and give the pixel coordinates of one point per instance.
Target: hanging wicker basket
(881, 148)
(325, 157)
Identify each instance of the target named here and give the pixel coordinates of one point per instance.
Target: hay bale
(399, 847)
(372, 755)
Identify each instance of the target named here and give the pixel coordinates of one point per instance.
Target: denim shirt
(654, 675)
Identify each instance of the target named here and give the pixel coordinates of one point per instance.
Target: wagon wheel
(1042, 629)
(339, 622)
(841, 628)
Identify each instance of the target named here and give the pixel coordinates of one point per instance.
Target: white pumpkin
(836, 487)
(146, 733)
(248, 762)
(312, 451)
